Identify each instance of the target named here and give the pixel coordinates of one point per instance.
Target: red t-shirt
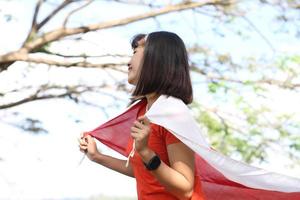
(148, 187)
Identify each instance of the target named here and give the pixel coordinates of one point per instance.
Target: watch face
(153, 163)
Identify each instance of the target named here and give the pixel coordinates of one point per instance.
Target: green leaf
(213, 87)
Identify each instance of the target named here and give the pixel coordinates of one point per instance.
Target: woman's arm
(179, 177)
(88, 145)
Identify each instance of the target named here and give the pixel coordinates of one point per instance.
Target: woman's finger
(134, 129)
(83, 148)
(135, 135)
(82, 142)
(89, 139)
(138, 124)
(144, 120)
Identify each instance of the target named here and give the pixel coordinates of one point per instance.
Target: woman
(162, 165)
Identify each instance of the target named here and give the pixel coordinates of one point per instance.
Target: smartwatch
(153, 163)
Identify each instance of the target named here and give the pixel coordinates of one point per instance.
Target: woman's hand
(140, 132)
(88, 146)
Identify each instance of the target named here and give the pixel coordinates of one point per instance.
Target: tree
(238, 121)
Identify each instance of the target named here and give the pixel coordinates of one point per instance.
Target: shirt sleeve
(169, 137)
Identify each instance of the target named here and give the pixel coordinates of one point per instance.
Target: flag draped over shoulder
(222, 178)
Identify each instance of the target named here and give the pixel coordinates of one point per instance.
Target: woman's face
(134, 64)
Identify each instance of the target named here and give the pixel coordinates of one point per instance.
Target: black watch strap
(153, 163)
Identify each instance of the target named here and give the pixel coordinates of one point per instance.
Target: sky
(46, 166)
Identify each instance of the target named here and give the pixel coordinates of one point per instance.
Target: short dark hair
(165, 68)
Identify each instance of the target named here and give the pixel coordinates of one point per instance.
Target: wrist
(95, 157)
(153, 163)
(146, 154)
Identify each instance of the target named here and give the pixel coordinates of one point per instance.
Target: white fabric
(174, 115)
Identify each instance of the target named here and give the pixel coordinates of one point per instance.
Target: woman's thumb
(144, 119)
(89, 138)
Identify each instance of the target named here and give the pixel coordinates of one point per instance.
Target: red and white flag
(222, 178)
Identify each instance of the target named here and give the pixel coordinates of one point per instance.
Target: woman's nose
(129, 62)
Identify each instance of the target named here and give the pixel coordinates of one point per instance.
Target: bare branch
(253, 26)
(66, 63)
(76, 10)
(35, 15)
(31, 98)
(33, 28)
(54, 12)
(259, 33)
(87, 56)
(281, 84)
(63, 32)
(142, 3)
(70, 90)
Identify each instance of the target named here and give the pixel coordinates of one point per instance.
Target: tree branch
(76, 10)
(259, 33)
(70, 90)
(64, 32)
(35, 26)
(140, 3)
(35, 15)
(282, 84)
(65, 63)
(53, 13)
(84, 56)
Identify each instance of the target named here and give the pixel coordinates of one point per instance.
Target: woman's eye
(134, 52)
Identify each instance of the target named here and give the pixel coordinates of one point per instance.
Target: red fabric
(116, 134)
(217, 187)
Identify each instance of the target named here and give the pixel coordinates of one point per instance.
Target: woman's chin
(131, 82)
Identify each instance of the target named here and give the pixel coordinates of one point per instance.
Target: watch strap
(153, 163)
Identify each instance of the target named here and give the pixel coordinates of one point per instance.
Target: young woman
(163, 166)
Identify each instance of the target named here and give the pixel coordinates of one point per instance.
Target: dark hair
(165, 67)
(136, 39)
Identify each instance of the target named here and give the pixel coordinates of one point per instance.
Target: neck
(151, 98)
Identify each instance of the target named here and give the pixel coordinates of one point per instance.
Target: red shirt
(148, 187)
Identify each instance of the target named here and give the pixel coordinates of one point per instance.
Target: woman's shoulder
(164, 134)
